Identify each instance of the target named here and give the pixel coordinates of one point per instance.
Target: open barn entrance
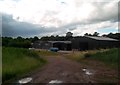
(69, 47)
(62, 46)
(83, 46)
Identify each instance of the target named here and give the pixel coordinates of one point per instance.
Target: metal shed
(93, 42)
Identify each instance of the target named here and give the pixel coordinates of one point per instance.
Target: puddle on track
(55, 82)
(25, 80)
(87, 72)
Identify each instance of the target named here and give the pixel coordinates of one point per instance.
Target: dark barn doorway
(83, 46)
(62, 46)
(69, 47)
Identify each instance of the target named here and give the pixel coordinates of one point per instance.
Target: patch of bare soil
(62, 69)
(103, 73)
(68, 71)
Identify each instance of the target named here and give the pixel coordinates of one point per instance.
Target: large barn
(93, 42)
(80, 43)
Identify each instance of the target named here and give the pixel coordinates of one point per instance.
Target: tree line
(27, 42)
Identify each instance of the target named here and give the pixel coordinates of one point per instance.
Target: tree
(45, 38)
(19, 38)
(95, 34)
(35, 39)
(57, 35)
(115, 36)
(86, 34)
(110, 35)
(16, 42)
(69, 34)
(89, 34)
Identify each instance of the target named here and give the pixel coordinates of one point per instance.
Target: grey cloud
(103, 12)
(13, 28)
(100, 14)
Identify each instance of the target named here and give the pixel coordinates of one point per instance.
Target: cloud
(103, 12)
(91, 28)
(46, 17)
(13, 28)
(58, 13)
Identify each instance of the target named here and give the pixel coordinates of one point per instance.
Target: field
(107, 56)
(104, 61)
(17, 61)
(47, 53)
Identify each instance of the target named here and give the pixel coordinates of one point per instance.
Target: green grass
(47, 53)
(109, 57)
(79, 55)
(19, 61)
(106, 57)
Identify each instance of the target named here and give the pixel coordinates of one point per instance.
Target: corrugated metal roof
(102, 38)
(59, 41)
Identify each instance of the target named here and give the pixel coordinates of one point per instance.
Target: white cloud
(7, 6)
(90, 14)
(91, 28)
(54, 13)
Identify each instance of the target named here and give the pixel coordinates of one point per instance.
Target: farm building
(80, 43)
(61, 45)
(92, 42)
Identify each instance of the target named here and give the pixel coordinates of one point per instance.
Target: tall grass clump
(47, 53)
(109, 57)
(76, 56)
(79, 55)
(17, 61)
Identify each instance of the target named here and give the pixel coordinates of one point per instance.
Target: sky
(29, 18)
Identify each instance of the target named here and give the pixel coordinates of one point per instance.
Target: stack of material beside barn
(61, 45)
(42, 45)
(92, 42)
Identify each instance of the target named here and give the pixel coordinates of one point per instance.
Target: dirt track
(68, 71)
(61, 69)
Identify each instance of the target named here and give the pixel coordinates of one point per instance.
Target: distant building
(92, 42)
(80, 43)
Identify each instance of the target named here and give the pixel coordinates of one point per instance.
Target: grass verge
(18, 61)
(104, 61)
(78, 55)
(47, 53)
(107, 56)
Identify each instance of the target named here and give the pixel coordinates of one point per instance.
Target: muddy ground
(69, 71)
